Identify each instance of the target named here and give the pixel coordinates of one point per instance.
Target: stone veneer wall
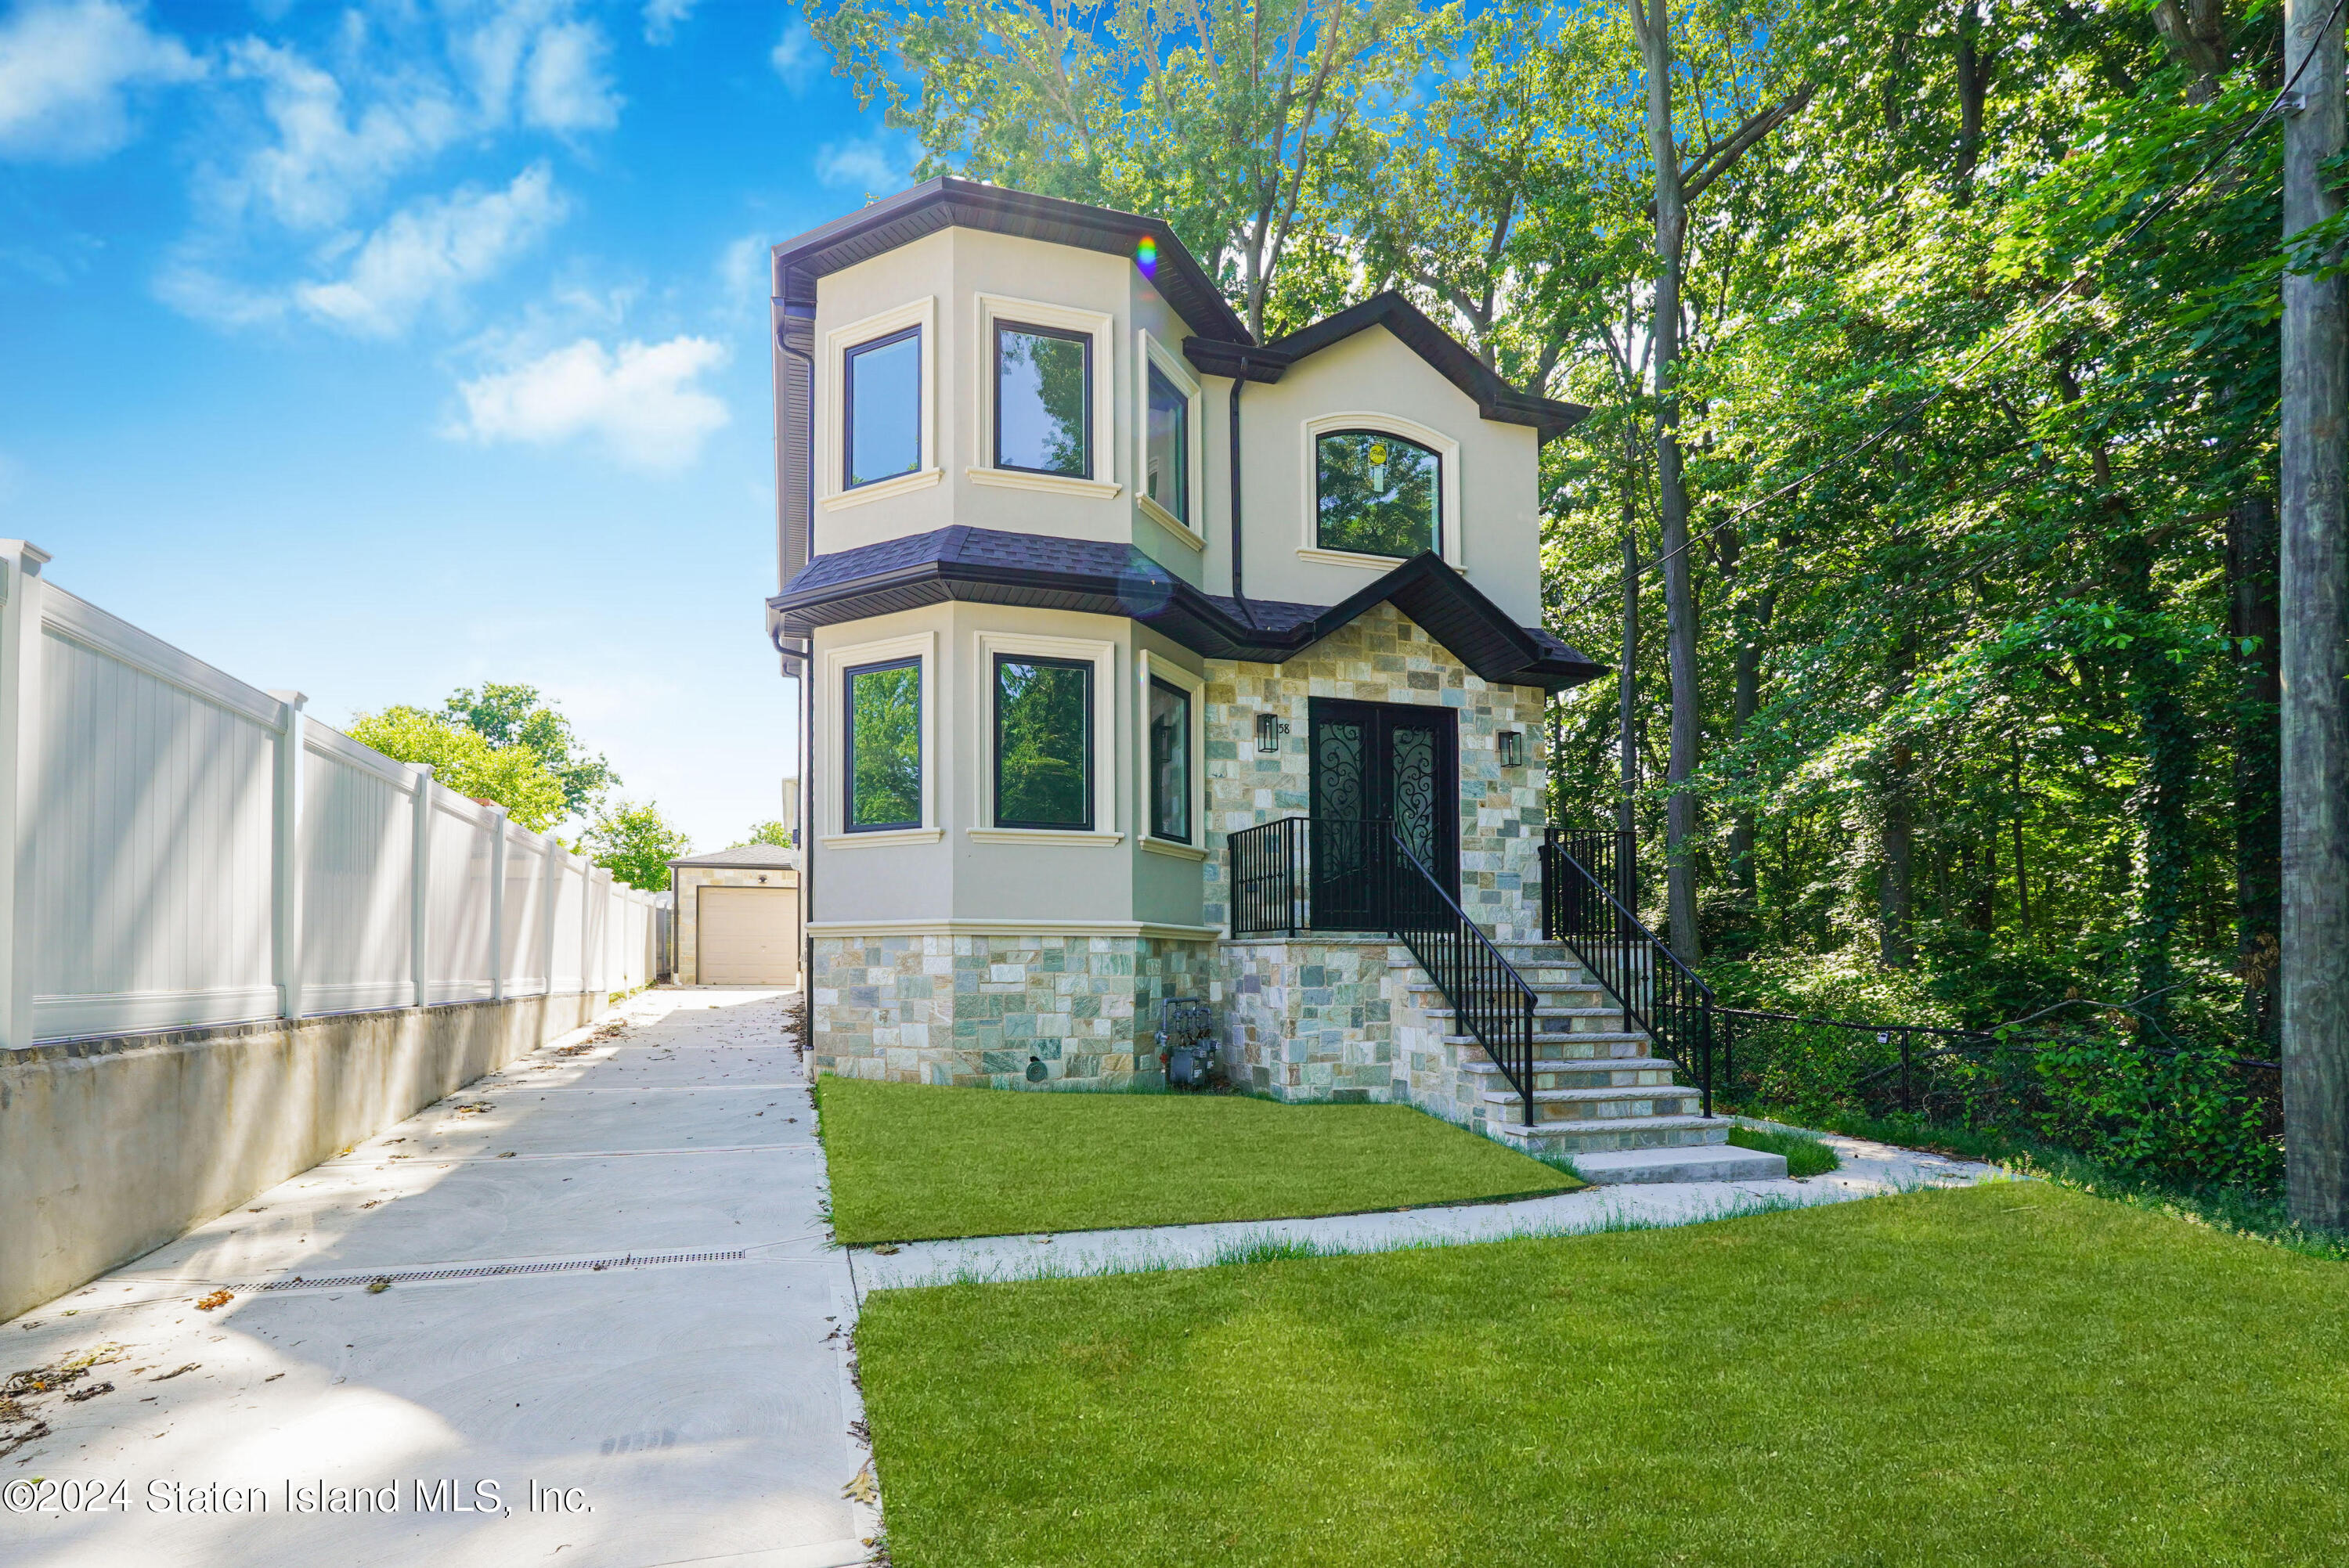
(974, 1010)
(1384, 657)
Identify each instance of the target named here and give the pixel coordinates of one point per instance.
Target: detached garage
(738, 916)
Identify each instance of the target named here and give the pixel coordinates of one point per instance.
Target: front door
(1379, 767)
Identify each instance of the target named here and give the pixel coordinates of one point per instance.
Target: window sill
(1171, 523)
(1053, 484)
(1064, 836)
(1370, 562)
(881, 837)
(881, 489)
(1173, 850)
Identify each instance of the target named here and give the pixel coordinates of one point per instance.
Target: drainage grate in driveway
(490, 1271)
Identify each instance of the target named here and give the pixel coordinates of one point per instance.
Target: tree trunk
(1974, 88)
(1746, 698)
(2251, 621)
(1671, 489)
(2021, 868)
(2166, 731)
(1895, 900)
(2316, 740)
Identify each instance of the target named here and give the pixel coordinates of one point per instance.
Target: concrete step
(1606, 1103)
(1707, 1163)
(1577, 1045)
(1578, 1138)
(1586, 1072)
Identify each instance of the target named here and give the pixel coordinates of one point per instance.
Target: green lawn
(910, 1162)
(2000, 1375)
(1805, 1155)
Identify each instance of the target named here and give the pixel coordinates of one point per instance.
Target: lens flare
(1145, 256)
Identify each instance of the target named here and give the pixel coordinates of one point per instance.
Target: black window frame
(1189, 719)
(1152, 381)
(848, 479)
(848, 821)
(1436, 547)
(995, 410)
(995, 720)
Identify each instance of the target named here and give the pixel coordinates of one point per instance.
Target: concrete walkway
(1869, 1170)
(609, 1328)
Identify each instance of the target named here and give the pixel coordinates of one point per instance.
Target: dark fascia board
(1495, 398)
(1436, 598)
(948, 202)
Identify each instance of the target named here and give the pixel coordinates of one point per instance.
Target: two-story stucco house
(1086, 583)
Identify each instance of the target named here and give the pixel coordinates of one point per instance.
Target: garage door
(748, 936)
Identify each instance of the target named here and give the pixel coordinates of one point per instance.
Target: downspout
(1239, 597)
(802, 832)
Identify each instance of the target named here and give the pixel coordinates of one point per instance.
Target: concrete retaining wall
(111, 1147)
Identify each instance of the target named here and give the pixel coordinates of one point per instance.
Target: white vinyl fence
(189, 850)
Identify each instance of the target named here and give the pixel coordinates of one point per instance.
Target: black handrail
(1661, 995)
(1485, 989)
(1342, 874)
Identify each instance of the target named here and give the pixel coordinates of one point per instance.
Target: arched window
(1377, 494)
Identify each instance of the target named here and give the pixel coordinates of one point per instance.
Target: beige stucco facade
(958, 950)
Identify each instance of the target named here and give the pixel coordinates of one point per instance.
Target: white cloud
(663, 17)
(319, 162)
(795, 57)
(65, 69)
(864, 162)
(744, 277)
(642, 402)
(565, 87)
(431, 249)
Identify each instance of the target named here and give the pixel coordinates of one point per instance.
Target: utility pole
(2315, 561)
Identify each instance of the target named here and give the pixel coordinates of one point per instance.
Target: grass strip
(1806, 1156)
(916, 1162)
(1999, 1374)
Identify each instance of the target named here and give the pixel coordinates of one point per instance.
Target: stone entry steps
(1599, 1089)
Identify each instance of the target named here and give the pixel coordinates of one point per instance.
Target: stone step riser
(1589, 1113)
(1554, 1138)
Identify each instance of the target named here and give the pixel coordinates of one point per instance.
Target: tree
(1733, 107)
(515, 777)
(776, 833)
(518, 716)
(1231, 118)
(636, 843)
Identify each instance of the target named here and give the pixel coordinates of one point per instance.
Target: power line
(2177, 194)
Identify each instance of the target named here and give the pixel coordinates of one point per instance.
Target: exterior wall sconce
(1512, 744)
(1268, 731)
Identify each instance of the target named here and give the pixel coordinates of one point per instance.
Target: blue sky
(376, 349)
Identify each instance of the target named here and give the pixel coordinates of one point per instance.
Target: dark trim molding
(1110, 580)
(948, 202)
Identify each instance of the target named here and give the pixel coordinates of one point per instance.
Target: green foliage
(517, 716)
(514, 776)
(636, 843)
(885, 712)
(776, 833)
(1042, 723)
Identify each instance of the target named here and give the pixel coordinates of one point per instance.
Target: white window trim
(1448, 502)
(1101, 483)
(1103, 656)
(1146, 667)
(831, 729)
(1155, 353)
(921, 313)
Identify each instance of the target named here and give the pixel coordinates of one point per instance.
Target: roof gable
(1495, 398)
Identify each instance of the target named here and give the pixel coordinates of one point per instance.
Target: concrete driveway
(607, 1339)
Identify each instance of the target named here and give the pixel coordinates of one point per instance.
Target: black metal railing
(1659, 994)
(1302, 874)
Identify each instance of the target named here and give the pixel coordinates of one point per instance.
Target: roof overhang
(946, 202)
(1098, 579)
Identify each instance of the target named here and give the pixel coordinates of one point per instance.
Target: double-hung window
(1166, 450)
(881, 394)
(1043, 400)
(883, 726)
(1377, 494)
(1043, 742)
(1170, 762)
